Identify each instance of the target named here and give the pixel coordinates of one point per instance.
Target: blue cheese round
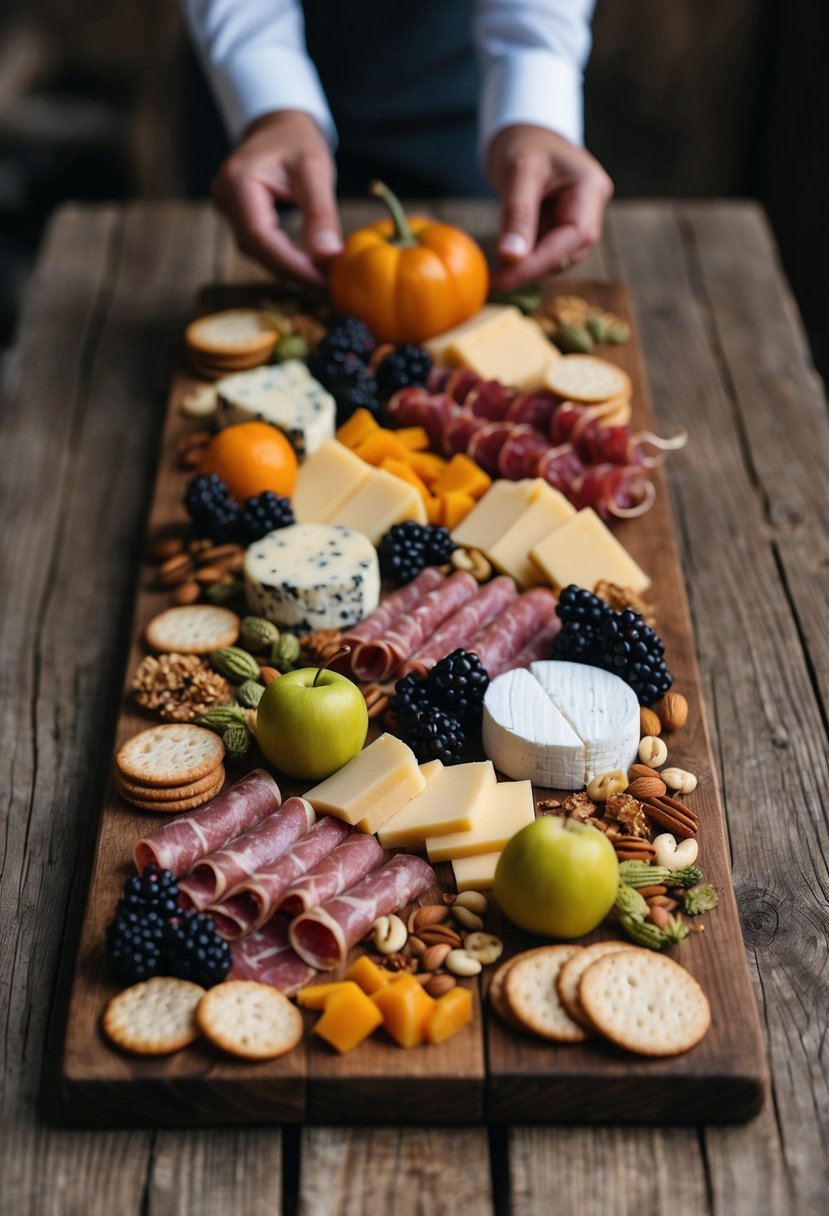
(312, 576)
(286, 396)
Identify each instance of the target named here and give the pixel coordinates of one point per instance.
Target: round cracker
(586, 379)
(570, 975)
(166, 793)
(249, 1020)
(495, 992)
(175, 806)
(531, 995)
(234, 332)
(155, 1017)
(173, 754)
(645, 1003)
(192, 629)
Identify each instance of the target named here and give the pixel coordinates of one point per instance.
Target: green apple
(557, 877)
(310, 722)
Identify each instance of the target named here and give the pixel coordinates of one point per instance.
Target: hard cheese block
(451, 802)
(324, 482)
(485, 320)
(584, 551)
(284, 394)
(526, 737)
(381, 501)
(475, 873)
(513, 350)
(508, 808)
(312, 576)
(380, 780)
(500, 508)
(511, 552)
(601, 709)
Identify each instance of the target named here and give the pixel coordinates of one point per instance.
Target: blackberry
(406, 364)
(433, 735)
(154, 891)
(263, 513)
(410, 695)
(192, 949)
(347, 378)
(212, 508)
(406, 548)
(457, 685)
(577, 605)
(134, 946)
(349, 336)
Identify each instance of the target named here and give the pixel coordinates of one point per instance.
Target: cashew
(458, 962)
(389, 934)
(473, 900)
(605, 784)
(668, 853)
(653, 751)
(485, 947)
(468, 919)
(474, 562)
(679, 779)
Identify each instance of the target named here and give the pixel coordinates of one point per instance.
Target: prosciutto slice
(502, 641)
(324, 935)
(393, 606)
(268, 958)
(464, 624)
(344, 868)
(252, 903)
(376, 660)
(219, 872)
(178, 845)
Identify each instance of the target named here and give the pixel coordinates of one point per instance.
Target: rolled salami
(324, 935)
(223, 870)
(339, 871)
(268, 958)
(252, 903)
(538, 646)
(464, 624)
(178, 845)
(502, 641)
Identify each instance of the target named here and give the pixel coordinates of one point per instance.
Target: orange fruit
(250, 458)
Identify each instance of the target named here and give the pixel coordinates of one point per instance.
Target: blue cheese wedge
(312, 576)
(285, 395)
(525, 735)
(601, 709)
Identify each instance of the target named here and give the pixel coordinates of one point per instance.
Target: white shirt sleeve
(255, 56)
(533, 54)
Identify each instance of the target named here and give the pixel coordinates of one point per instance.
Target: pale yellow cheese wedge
(475, 873)
(584, 551)
(508, 808)
(381, 501)
(325, 481)
(502, 506)
(487, 320)
(514, 351)
(430, 767)
(449, 803)
(372, 787)
(511, 552)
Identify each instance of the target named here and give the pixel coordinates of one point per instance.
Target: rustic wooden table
(83, 397)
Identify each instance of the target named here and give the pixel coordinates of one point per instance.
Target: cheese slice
(430, 767)
(502, 506)
(513, 350)
(449, 803)
(508, 808)
(488, 319)
(600, 707)
(325, 481)
(511, 552)
(526, 737)
(372, 787)
(475, 873)
(584, 551)
(378, 503)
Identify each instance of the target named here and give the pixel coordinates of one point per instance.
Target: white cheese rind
(286, 396)
(525, 736)
(600, 707)
(312, 576)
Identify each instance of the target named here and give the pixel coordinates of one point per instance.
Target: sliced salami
(323, 936)
(538, 646)
(459, 384)
(223, 870)
(268, 958)
(349, 863)
(377, 659)
(535, 409)
(405, 407)
(559, 467)
(485, 445)
(458, 432)
(464, 624)
(490, 400)
(252, 903)
(521, 453)
(393, 605)
(502, 641)
(177, 846)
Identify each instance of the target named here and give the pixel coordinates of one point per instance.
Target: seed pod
(573, 339)
(237, 742)
(257, 635)
(284, 652)
(234, 663)
(221, 717)
(292, 346)
(249, 693)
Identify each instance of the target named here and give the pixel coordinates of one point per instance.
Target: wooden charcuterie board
(489, 1073)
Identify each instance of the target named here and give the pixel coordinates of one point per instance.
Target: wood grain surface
(83, 393)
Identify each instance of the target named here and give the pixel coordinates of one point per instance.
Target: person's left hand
(554, 196)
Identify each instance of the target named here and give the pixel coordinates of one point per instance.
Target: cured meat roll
(393, 606)
(324, 935)
(464, 624)
(538, 646)
(252, 903)
(268, 958)
(177, 846)
(502, 641)
(219, 872)
(347, 865)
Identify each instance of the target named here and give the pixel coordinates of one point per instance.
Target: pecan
(672, 815)
(174, 570)
(632, 848)
(376, 700)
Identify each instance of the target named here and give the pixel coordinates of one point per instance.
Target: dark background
(686, 98)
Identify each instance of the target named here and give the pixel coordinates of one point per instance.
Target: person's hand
(284, 158)
(554, 196)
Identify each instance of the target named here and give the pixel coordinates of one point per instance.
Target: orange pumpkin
(408, 278)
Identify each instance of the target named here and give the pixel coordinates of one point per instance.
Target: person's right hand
(284, 158)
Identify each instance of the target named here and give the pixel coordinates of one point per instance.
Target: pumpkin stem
(403, 237)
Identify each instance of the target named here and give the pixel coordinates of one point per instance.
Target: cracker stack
(231, 341)
(170, 769)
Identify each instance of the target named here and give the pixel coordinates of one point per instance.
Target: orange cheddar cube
(357, 428)
(452, 1012)
(314, 996)
(427, 465)
(455, 506)
(379, 445)
(415, 438)
(406, 1010)
(350, 1016)
(434, 509)
(461, 473)
(368, 975)
(403, 470)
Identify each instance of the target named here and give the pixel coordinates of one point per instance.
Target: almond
(647, 787)
(659, 917)
(429, 914)
(672, 711)
(649, 723)
(268, 675)
(639, 770)
(186, 593)
(436, 985)
(164, 547)
(174, 570)
(433, 957)
(416, 946)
